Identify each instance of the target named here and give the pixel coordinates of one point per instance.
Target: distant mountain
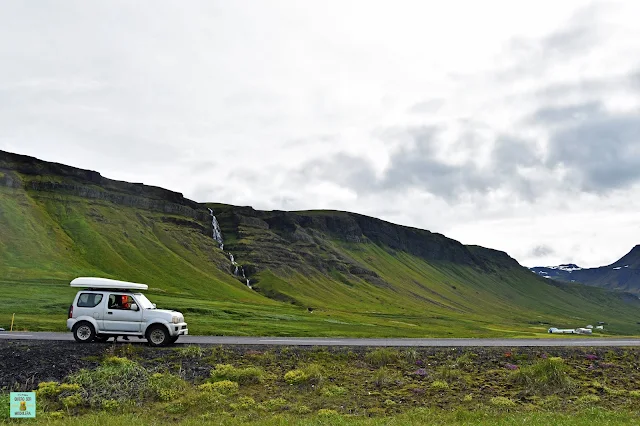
(623, 275)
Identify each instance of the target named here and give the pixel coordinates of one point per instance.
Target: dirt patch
(25, 363)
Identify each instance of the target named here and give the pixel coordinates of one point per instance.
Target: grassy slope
(414, 297)
(450, 300)
(48, 239)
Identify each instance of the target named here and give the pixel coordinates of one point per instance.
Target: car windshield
(144, 302)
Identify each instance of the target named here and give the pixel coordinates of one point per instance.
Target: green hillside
(314, 273)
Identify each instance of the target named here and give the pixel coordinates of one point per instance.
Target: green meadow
(307, 282)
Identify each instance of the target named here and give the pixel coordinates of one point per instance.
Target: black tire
(157, 335)
(101, 338)
(84, 332)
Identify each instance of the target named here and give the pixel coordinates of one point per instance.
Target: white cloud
(588, 231)
(302, 105)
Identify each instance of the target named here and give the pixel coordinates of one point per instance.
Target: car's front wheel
(84, 332)
(157, 335)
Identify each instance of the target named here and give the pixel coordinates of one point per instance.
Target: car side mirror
(134, 307)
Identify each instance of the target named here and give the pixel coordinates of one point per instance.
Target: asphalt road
(319, 341)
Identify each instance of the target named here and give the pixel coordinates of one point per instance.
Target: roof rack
(106, 284)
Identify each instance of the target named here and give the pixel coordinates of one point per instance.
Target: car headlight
(175, 320)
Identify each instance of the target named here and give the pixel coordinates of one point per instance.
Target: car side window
(120, 301)
(89, 300)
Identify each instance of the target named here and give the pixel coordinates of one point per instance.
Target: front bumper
(179, 329)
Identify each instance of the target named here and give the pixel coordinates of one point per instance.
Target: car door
(119, 317)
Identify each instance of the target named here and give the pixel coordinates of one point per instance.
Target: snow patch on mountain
(570, 267)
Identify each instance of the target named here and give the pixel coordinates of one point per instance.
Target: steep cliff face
(275, 239)
(353, 227)
(347, 247)
(20, 171)
(307, 228)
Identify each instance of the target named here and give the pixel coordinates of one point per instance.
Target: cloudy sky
(509, 124)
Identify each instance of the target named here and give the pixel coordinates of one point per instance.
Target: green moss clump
(588, 399)
(295, 377)
(545, 376)
(382, 357)
(239, 375)
(501, 401)
(275, 404)
(311, 374)
(223, 387)
(439, 385)
(333, 391)
(166, 387)
(325, 412)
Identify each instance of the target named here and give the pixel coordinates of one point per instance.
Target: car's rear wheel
(157, 335)
(84, 332)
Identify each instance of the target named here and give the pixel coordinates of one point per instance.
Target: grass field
(307, 281)
(436, 417)
(43, 307)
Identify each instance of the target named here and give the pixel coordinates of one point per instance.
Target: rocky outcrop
(421, 243)
(41, 176)
(355, 228)
(10, 179)
(494, 259)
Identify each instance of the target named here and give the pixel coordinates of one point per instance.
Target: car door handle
(109, 313)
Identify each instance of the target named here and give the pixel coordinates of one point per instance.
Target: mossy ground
(283, 385)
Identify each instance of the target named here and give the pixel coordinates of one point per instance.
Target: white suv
(110, 308)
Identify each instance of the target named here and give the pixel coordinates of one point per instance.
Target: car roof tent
(106, 283)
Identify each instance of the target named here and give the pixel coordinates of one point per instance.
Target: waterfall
(234, 263)
(245, 277)
(217, 234)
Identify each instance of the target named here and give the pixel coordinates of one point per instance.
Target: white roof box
(103, 283)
